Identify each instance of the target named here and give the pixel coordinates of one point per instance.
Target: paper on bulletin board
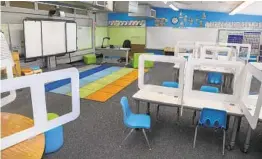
(84, 37)
(4, 29)
(17, 37)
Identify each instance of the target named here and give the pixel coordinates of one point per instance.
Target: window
(21, 4)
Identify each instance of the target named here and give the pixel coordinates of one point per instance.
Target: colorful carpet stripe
(113, 88)
(103, 82)
(100, 83)
(65, 89)
(59, 83)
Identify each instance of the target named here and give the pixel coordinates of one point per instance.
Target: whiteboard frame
(58, 20)
(25, 38)
(66, 37)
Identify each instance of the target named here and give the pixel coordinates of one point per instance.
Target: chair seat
(170, 84)
(140, 121)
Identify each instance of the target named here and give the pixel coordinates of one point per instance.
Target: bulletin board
(137, 35)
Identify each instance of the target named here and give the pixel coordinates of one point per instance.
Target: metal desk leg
(148, 108)
(234, 134)
(194, 117)
(228, 120)
(137, 106)
(178, 113)
(247, 141)
(239, 124)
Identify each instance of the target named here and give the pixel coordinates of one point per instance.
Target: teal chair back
(126, 109)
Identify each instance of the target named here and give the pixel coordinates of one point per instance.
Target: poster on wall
(238, 25)
(139, 23)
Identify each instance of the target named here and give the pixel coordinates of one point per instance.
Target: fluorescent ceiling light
(173, 7)
(165, 2)
(241, 7)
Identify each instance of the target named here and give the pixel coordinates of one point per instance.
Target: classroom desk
(258, 65)
(189, 103)
(29, 149)
(249, 130)
(146, 95)
(114, 52)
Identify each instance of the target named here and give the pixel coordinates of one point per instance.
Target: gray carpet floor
(99, 130)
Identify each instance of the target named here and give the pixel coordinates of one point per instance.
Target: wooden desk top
(29, 149)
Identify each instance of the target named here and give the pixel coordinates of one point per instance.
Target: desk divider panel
(212, 65)
(178, 92)
(37, 86)
(251, 104)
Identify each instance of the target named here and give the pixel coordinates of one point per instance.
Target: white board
(33, 39)
(71, 37)
(53, 37)
(5, 29)
(84, 37)
(161, 37)
(16, 36)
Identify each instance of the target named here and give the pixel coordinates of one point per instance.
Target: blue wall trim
(169, 14)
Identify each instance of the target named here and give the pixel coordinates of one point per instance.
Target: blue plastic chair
(209, 89)
(171, 84)
(212, 118)
(134, 121)
(215, 78)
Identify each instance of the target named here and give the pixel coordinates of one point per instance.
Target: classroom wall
(14, 16)
(168, 14)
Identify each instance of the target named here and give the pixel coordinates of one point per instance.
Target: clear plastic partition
(213, 80)
(185, 50)
(251, 94)
(161, 76)
(33, 101)
(216, 53)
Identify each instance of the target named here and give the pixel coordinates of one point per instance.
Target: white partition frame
(248, 103)
(161, 89)
(200, 44)
(189, 92)
(203, 50)
(7, 63)
(186, 46)
(238, 47)
(37, 86)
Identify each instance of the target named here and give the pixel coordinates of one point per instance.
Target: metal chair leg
(157, 112)
(194, 143)
(127, 136)
(146, 138)
(224, 141)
